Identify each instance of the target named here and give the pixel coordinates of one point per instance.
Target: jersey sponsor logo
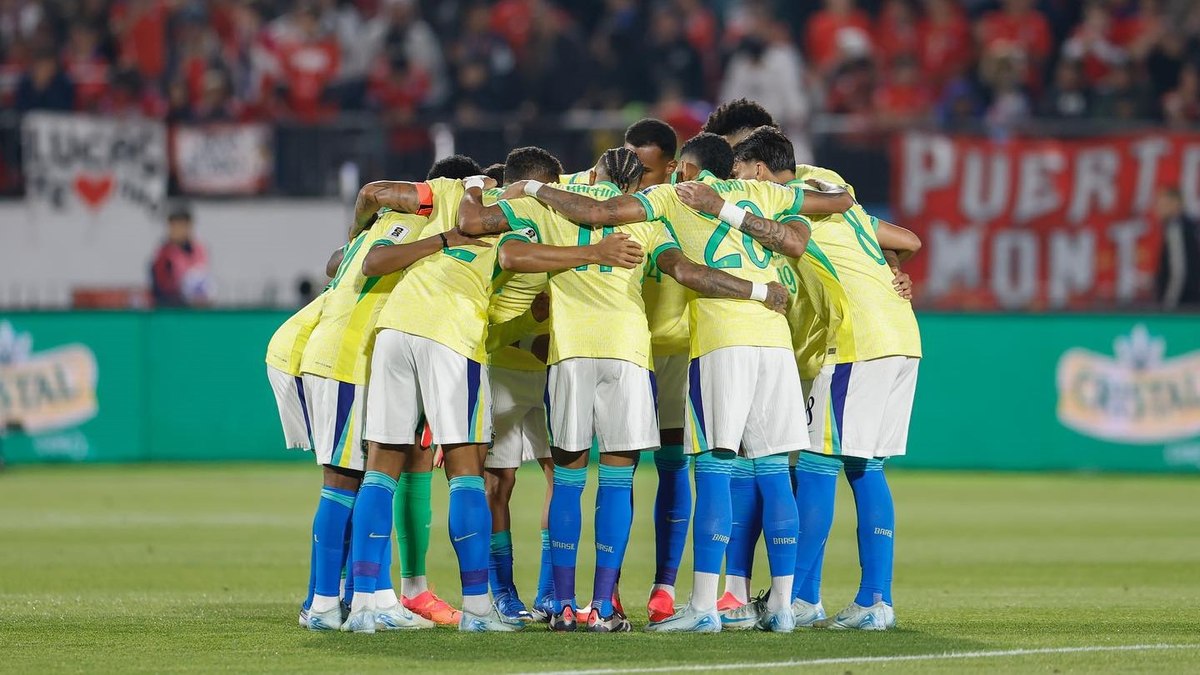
(1136, 396)
(397, 233)
(528, 232)
(46, 391)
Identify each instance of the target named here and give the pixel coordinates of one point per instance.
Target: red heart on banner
(93, 190)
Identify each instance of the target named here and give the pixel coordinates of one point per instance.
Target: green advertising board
(1013, 392)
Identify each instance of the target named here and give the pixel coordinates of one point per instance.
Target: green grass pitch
(201, 568)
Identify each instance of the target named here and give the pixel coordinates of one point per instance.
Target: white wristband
(758, 292)
(473, 182)
(532, 186)
(733, 214)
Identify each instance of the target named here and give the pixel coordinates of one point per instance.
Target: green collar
(609, 184)
(706, 176)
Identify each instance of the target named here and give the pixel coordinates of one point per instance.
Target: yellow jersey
(723, 322)
(596, 311)
(814, 312)
(807, 171)
(286, 348)
(876, 321)
(511, 321)
(445, 296)
(666, 302)
(341, 344)
(578, 178)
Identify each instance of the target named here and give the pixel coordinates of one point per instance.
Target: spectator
(903, 99)
(671, 58)
(87, 67)
(896, 32)
(140, 28)
(945, 42)
(407, 29)
(1017, 30)
(1181, 107)
(1178, 280)
(45, 86)
(767, 68)
(179, 275)
(1009, 105)
(837, 33)
(216, 103)
(1165, 63)
(484, 67)
(619, 49)
(308, 63)
(1122, 96)
(1093, 44)
(1067, 97)
(550, 80)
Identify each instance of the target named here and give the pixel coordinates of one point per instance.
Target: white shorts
(864, 407)
(745, 397)
(670, 375)
(337, 409)
(411, 377)
(519, 417)
(610, 399)
(293, 408)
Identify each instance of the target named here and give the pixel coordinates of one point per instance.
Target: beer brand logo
(1136, 396)
(44, 391)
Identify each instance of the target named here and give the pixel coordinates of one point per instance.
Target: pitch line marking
(874, 659)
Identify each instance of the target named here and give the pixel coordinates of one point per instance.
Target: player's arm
(581, 208)
(382, 259)
(895, 238)
(616, 250)
(827, 198)
(334, 262)
(900, 280)
(397, 195)
(475, 219)
(789, 238)
(714, 283)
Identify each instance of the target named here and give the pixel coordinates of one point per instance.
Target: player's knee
(341, 478)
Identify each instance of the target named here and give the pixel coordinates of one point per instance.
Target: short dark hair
(495, 172)
(769, 146)
(736, 116)
(623, 167)
(531, 163)
(651, 131)
(454, 166)
(711, 152)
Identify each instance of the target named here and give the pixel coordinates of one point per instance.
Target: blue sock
(876, 528)
(809, 588)
(672, 512)
(816, 487)
(779, 520)
(384, 580)
(500, 563)
(329, 537)
(747, 519)
(470, 524)
(614, 518)
(372, 529)
(714, 511)
(347, 577)
(565, 523)
(546, 572)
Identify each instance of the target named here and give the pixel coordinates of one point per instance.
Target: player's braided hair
(623, 167)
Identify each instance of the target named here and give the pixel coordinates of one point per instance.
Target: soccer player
(721, 409)
(862, 398)
(428, 361)
(600, 383)
(334, 365)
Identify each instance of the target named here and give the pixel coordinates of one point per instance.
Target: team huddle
(737, 314)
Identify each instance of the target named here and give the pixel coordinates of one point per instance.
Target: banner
(93, 164)
(1081, 392)
(1038, 223)
(222, 159)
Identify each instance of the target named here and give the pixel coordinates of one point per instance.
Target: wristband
(733, 214)
(531, 187)
(445, 244)
(473, 182)
(758, 292)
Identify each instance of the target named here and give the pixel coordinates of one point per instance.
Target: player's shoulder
(443, 185)
(393, 227)
(811, 172)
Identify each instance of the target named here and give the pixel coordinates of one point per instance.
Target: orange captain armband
(424, 199)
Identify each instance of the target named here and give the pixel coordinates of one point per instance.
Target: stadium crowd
(883, 62)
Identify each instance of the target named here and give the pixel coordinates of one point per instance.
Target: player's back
(285, 350)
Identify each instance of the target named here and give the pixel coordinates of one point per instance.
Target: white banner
(222, 159)
(95, 164)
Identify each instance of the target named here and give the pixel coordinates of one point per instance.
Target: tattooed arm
(580, 208)
(475, 219)
(714, 283)
(789, 239)
(396, 195)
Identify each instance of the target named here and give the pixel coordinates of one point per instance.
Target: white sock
(386, 598)
(324, 603)
(664, 587)
(704, 591)
(739, 587)
(477, 604)
(781, 593)
(362, 601)
(411, 587)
